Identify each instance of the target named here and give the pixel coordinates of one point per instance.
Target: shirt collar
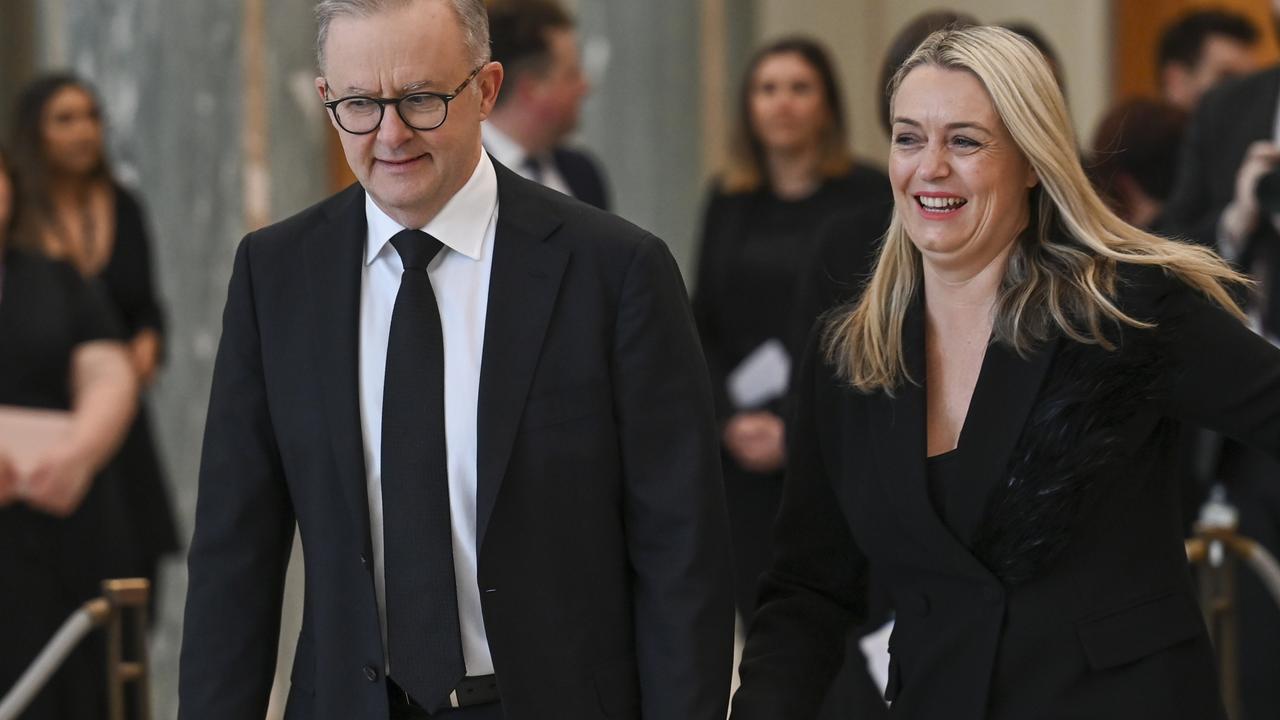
(502, 146)
(461, 225)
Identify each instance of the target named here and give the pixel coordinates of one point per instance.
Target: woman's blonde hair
(1061, 274)
(745, 168)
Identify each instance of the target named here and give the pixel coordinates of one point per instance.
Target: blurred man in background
(539, 105)
(1227, 196)
(1202, 49)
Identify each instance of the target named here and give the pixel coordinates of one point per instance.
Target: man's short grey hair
(472, 16)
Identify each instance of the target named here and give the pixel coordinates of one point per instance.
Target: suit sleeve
(674, 512)
(243, 529)
(815, 589)
(1223, 375)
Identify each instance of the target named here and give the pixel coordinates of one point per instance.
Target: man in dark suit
(484, 405)
(1230, 146)
(541, 99)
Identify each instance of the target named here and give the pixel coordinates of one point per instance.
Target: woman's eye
(964, 142)
(904, 139)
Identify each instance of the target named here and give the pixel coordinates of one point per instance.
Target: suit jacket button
(370, 673)
(364, 560)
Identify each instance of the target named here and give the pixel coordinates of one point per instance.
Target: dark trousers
(492, 711)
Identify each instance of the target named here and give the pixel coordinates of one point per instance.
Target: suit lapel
(333, 258)
(1002, 398)
(1007, 388)
(523, 284)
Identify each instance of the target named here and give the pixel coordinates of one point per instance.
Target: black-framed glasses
(361, 115)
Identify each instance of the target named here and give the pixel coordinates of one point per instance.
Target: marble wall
(170, 76)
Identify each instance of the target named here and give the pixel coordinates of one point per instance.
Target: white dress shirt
(460, 279)
(509, 152)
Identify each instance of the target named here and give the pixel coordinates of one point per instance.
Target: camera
(1268, 192)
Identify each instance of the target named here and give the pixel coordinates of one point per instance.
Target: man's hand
(1241, 217)
(58, 483)
(757, 441)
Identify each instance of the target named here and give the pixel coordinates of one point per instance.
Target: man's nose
(393, 131)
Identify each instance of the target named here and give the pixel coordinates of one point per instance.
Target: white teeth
(936, 203)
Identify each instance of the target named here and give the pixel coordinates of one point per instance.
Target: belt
(477, 690)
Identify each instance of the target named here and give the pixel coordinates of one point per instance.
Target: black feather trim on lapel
(1075, 432)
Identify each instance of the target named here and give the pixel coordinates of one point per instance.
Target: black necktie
(424, 643)
(533, 166)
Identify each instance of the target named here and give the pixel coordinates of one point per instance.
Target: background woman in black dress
(73, 210)
(59, 350)
(789, 173)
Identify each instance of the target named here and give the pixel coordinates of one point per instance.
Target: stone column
(172, 84)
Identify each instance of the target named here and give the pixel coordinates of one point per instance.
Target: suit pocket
(618, 688)
(1132, 633)
(557, 407)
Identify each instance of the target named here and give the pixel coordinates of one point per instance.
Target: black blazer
(584, 176)
(1072, 598)
(1228, 120)
(603, 552)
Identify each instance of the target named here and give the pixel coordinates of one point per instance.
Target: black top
(46, 310)
(755, 249)
(127, 277)
(958, 504)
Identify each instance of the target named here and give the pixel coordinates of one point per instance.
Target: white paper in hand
(761, 376)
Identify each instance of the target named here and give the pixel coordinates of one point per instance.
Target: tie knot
(416, 248)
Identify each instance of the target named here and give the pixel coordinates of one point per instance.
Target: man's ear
(489, 81)
(321, 86)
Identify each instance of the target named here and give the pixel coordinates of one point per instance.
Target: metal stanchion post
(128, 597)
(1212, 551)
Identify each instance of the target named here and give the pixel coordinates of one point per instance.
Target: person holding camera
(1227, 196)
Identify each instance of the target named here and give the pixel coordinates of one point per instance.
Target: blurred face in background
(787, 105)
(1221, 57)
(71, 127)
(418, 47)
(556, 95)
(960, 183)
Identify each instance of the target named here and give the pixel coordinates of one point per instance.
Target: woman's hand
(757, 441)
(8, 482)
(58, 482)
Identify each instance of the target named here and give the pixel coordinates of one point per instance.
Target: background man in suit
(485, 407)
(1201, 50)
(1220, 199)
(541, 99)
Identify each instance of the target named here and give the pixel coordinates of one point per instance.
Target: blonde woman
(987, 426)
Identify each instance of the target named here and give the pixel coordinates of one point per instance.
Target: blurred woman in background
(1135, 157)
(73, 210)
(789, 169)
(789, 172)
(59, 351)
